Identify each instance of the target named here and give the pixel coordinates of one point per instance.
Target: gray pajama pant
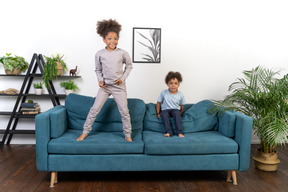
(120, 96)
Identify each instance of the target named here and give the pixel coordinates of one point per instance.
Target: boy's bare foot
(167, 135)
(82, 137)
(128, 139)
(181, 135)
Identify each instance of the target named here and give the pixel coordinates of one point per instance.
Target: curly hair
(106, 26)
(173, 75)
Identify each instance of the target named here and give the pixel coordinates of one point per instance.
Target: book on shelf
(25, 105)
(30, 108)
(30, 112)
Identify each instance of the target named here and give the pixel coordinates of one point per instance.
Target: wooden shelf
(15, 114)
(18, 131)
(34, 95)
(38, 75)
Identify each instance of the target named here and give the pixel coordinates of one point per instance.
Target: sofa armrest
(43, 136)
(58, 122)
(243, 135)
(226, 124)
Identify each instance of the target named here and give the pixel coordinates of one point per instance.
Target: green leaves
(38, 85)
(69, 85)
(10, 62)
(153, 46)
(50, 68)
(263, 97)
(50, 71)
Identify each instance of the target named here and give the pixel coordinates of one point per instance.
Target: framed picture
(146, 45)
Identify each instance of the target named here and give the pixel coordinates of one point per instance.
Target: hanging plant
(50, 68)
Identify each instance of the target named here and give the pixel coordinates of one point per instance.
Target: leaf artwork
(152, 44)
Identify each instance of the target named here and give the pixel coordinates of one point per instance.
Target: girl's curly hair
(173, 75)
(106, 26)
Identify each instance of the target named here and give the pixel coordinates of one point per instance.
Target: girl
(111, 77)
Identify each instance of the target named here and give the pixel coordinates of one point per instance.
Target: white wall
(210, 42)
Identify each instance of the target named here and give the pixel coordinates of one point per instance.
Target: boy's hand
(118, 81)
(158, 116)
(102, 84)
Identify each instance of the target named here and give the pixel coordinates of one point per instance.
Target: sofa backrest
(109, 118)
(195, 118)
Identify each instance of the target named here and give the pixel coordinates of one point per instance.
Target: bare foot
(167, 135)
(82, 137)
(181, 135)
(128, 139)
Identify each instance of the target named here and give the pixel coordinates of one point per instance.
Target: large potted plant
(53, 67)
(13, 65)
(263, 96)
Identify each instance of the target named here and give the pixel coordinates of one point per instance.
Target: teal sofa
(210, 142)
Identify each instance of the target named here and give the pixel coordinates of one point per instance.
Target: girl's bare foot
(128, 139)
(181, 135)
(82, 137)
(167, 135)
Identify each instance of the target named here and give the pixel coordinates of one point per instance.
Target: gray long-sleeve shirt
(109, 65)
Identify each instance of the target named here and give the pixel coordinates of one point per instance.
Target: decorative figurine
(73, 71)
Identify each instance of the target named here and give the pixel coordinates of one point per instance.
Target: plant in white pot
(69, 86)
(13, 65)
(38, 87)
(262, 96)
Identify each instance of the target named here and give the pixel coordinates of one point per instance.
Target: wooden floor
(18, 173)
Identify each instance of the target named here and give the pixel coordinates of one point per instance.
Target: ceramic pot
(266, 161)
(68, 91)
(15, 71)
(38, 91)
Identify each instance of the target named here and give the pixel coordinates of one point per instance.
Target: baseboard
(255, 141)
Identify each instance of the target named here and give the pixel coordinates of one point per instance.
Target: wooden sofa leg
(53, 179)
(229, 176)
(56, 178)
(234, 177)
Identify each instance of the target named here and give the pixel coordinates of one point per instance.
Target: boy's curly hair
(173, 75)
(106, 26)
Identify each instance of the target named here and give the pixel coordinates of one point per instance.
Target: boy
(172, 104)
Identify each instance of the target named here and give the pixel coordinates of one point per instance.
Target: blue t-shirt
(170, 101)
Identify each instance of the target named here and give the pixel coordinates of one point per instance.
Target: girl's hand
(158, 116)
(118, 81)
(102, 84)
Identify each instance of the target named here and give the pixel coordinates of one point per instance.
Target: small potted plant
(69, 86)
(38, 87)
(13, 65)
(53, 67)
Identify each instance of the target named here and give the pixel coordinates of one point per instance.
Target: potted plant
(53, 67)
(38, 87)
(13, 65)
(262, 96)
(69, 86)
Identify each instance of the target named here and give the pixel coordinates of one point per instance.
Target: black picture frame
(146, 45)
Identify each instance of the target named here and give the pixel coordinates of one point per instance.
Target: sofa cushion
(96, 143)
(208, 142)
(109, 118)
(195, 118)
